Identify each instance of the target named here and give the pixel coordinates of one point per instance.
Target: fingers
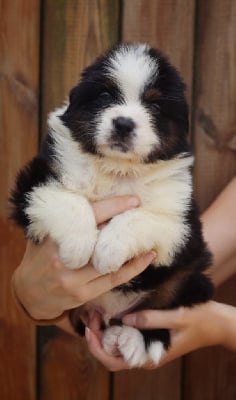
(108, 208)
(181, 343)
(94, 323)
(152, 319)
(82, 276)
(86, 283)
(85, 289)
(128, 271)
(110, 362)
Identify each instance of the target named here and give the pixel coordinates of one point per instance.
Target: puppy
(124, 131)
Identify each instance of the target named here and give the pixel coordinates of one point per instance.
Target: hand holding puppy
(46, 288)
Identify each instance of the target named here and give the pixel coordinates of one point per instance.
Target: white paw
(128, 342)
(112, 250)
(132, 347)
(75, 251)
(110, 340)
(156, 351)
(67, 218)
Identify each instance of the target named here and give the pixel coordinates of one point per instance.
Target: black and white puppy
(124, 131)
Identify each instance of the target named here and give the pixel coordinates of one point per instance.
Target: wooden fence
(44, 45)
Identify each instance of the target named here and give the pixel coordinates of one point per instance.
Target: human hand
(93, 335)
(191, 328)
(46, 288)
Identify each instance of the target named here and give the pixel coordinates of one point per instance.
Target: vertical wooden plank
(215, 97)
(164, 383)
(169, 26)
(214, 138)
(165, 24)
(75, 32)
(19, 45)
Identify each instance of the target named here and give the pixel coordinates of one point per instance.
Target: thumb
(152, 319)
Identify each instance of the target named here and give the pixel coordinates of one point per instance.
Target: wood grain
(68, 372)
(19, 71)
(149, 385)
(215, 98)
(210, 374)
(75, 32)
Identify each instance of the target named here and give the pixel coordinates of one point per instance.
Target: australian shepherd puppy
(124, 131)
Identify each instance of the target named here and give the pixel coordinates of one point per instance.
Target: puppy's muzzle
(122, 134)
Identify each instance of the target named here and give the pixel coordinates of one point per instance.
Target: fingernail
(133, 202)
(130, 319)
(87, 334)
(150, 256)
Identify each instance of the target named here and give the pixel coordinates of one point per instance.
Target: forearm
(229, 319)
(219, 230)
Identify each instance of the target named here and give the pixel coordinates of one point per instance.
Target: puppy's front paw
(76, 250)
(108, 257)
(127, 342)
(77, 243)
(67, 218)
(111, 251)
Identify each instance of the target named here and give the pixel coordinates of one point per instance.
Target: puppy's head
(129, 104)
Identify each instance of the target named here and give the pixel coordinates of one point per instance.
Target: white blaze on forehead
(132, 68)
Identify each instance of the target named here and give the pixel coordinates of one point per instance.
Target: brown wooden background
(44, 45)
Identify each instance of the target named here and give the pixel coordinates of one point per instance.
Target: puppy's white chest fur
(164, 187)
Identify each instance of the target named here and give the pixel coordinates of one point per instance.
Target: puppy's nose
(123, 125)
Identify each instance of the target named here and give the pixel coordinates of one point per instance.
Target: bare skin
(204, 325)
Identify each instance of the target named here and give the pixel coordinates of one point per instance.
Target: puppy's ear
(178, 128)
(181, 118)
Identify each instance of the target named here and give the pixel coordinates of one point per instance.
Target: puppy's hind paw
(127, 342)
(156, 351)
(132, 347)
(110, 340)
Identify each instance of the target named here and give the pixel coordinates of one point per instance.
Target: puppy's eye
(105, 95)
(155, 107)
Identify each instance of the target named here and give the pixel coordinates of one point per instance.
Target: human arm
(46, 288)
(205, 325)
(219, 230)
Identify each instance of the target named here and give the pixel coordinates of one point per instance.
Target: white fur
(110, 340)
(138, 231)
(144, 139)
(126, 341)
(156, 351)
(132, 69)
(67, 218)
(75, 168)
